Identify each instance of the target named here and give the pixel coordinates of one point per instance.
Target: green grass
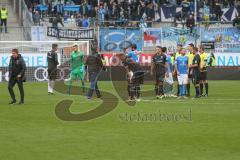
(33, 131)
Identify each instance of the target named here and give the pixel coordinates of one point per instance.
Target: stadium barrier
(24, 17)
(118, 73)
(214, 73)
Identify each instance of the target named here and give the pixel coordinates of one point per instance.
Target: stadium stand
(132, 13)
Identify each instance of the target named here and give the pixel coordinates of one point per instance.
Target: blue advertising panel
(117, 39)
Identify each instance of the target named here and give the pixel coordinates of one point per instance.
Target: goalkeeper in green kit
(77, 67)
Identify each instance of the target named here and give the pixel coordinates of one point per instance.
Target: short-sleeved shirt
(52, 59)
(159, 61)
(182, 64)
(134, 56)
(196, 60)
(203, 64)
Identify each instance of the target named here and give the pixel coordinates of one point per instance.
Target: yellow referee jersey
(203, 62)
(190, 58)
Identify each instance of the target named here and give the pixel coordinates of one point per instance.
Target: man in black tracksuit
(52, 59)
(17, 68)
(94, 66)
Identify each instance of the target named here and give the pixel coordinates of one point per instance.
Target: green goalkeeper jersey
(77, 62)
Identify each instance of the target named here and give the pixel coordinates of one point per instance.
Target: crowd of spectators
(122, 11)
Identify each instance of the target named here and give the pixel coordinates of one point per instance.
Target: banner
(83, 34)
(37, 74)
(221, 35)
(113, 60)
(226, 59)
(227, 40)
(152, 37)
(168, 13)
(118, 39)
(146, 59)
(169, 37)
(31, 59)
(208, 45)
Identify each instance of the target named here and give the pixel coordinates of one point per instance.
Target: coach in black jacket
(17, 68)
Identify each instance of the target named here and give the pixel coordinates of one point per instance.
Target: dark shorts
(52, 74)
(203, 76)
(190, 76)
(196, 78)
(160, 77)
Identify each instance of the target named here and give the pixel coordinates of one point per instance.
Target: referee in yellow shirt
(203, 72)
(190, 61)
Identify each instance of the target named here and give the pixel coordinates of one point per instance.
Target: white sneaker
(130, 100)
(185, 97)
(180, 97)
(138, 100)
(173, 96)
(161, 97)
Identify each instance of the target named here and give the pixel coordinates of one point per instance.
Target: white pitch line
(213, 99)
(184, 102)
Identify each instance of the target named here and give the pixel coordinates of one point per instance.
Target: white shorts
(182, 79)
(169, 79)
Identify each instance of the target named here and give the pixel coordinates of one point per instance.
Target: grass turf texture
(33, 131)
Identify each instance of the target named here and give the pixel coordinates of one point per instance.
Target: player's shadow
(62, 109)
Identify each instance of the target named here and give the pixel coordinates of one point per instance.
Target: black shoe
(196, 97)
(99, 96)
(12, 102)
(21, 103)
(204, 95)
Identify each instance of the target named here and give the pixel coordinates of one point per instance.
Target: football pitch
(168, 129)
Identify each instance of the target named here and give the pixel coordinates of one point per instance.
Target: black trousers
(11, 84)
(3, 23)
